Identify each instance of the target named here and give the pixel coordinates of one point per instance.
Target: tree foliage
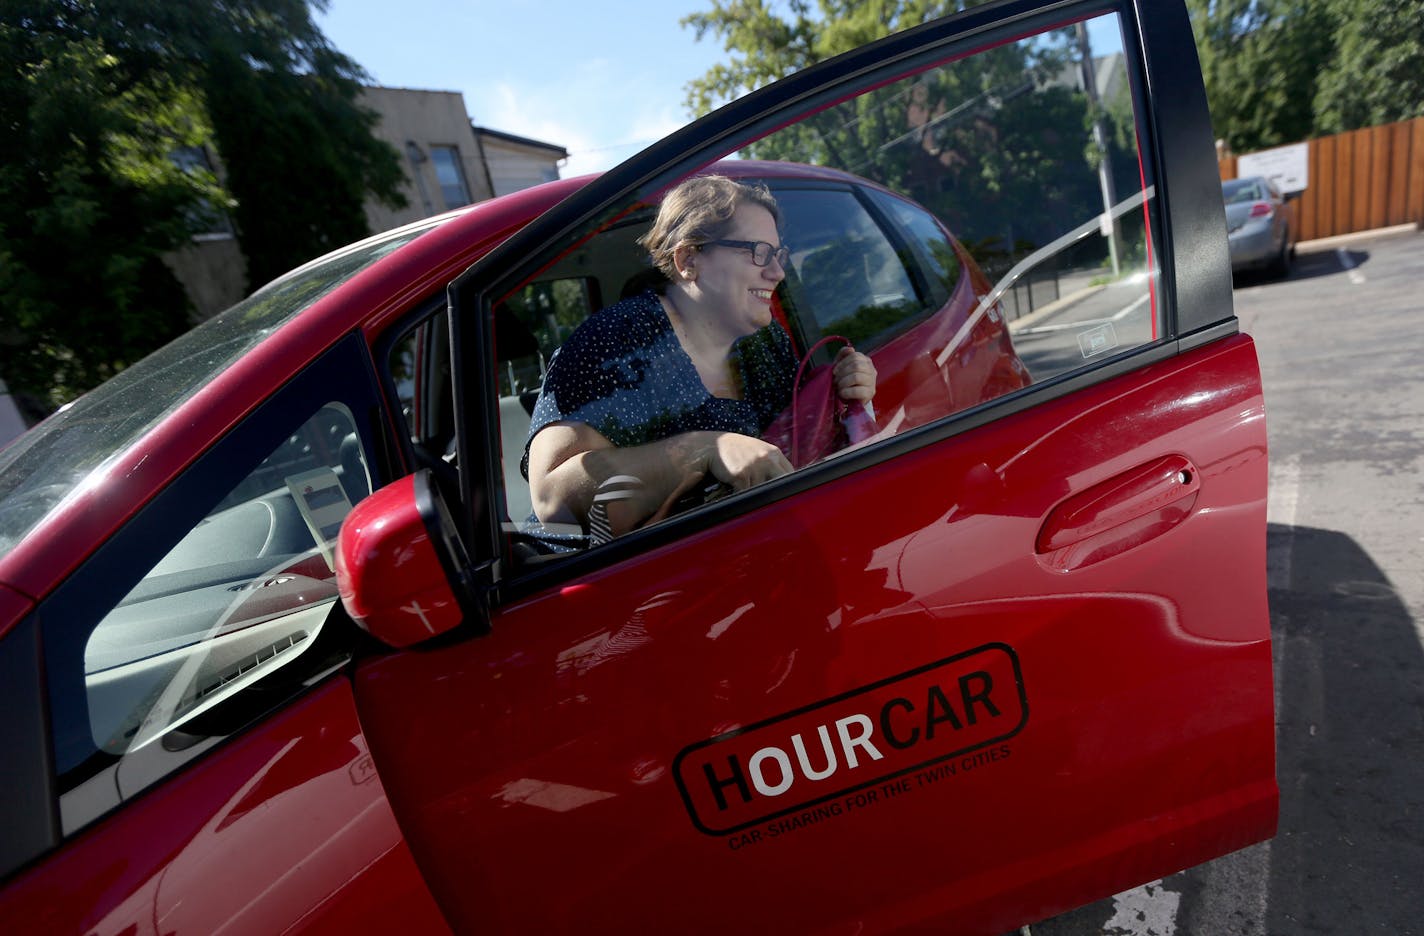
(1278, 71)
(998, 145)
(764, 45)
(283, 104)
(1376, 74)
(1259, 61)
(94, 99)
(88, 203)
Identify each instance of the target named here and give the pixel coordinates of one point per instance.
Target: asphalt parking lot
(1341, 345)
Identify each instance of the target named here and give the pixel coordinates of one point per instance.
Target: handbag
(818, 422)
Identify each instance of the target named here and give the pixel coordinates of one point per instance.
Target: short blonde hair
(697, 211)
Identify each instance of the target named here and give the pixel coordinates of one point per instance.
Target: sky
(601, 78)
(555, 70)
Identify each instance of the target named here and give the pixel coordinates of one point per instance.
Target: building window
(450, 175)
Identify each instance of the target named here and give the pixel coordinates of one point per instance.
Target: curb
(1026, 321)
(1340, 240)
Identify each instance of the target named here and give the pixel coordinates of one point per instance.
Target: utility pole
(1100, 139)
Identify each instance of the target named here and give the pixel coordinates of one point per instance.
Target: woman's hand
(742, 461)
(736, 460)
(569, 461)
(854, 375)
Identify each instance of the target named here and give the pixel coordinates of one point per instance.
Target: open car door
(997, 662)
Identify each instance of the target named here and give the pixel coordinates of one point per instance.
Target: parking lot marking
(1282, 500)
(1149, 910)
(1128, 310)
(1355, 275)
(1284, 493)
(1063, 326)
(1117, 316)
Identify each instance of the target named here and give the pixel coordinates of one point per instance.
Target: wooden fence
(1361, 180)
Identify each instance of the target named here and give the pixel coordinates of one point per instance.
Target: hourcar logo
(866, 736)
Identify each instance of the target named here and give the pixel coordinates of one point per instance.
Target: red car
(278, 651)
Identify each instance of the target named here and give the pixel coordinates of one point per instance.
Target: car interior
(826, 226)
(241, 594)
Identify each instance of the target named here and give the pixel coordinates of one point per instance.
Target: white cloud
(602, 83)
(595, 112)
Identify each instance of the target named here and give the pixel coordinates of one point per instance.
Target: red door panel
(285, 829)
(1120, 513)
(876, 703)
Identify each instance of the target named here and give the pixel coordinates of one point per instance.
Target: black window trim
(29, 808)
(1192, 248)
(875, 197)
(422, 311)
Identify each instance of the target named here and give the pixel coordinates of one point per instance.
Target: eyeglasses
(762, 252)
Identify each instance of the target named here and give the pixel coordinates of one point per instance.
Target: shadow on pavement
(1349, 854)
(1306, 266)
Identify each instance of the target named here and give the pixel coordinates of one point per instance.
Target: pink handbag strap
(796, 389)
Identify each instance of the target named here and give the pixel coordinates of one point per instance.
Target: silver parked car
(1261, 225)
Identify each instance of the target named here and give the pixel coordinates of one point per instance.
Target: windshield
(45, 464)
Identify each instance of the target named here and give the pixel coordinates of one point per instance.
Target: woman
(653, 393)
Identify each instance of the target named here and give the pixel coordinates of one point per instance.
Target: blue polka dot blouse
(623, 373)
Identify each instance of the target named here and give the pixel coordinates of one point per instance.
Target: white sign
(1287, 166)
(323, 504)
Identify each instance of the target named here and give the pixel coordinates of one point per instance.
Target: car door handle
(1119, 513)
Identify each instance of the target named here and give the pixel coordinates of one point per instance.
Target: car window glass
(977, 228)
(242, 594)
(48, 462)
(849, 279)
(933, 246)
(531, 325)
(1241, 192)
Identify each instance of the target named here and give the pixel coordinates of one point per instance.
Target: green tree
(1278, 71)
(1376, 74)
(88, 203)
(764, 45)
(1260, 60)
(994, 144)
(283, 103)
(94, 98)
